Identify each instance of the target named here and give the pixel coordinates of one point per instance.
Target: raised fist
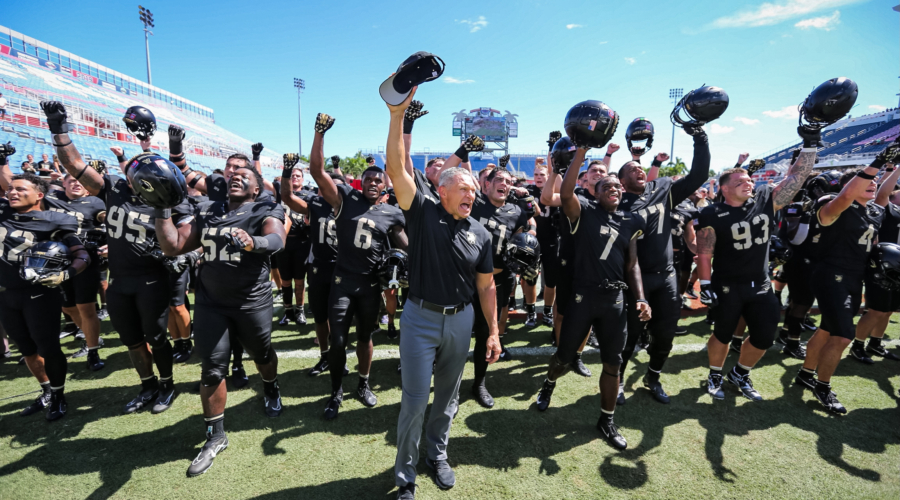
(291, 160)
(612, 148)
(504, 160)
(116, 150)
(336, 162)
(554, 136)
(891, 154)
(257, 150)
(56, 116)
(693, 130)
(176, 134)
(742, 158)
(414, 111)
(473, 143)
(662, 157)
(323, 123)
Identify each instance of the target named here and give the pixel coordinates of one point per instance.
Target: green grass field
(783, 447)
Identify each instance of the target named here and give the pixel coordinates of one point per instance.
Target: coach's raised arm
(449, 255)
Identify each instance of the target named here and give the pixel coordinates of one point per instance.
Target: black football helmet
(884, 265)
(824, 183)
(394, 270)
(640, 129)
(156, 180)
(701, 106)
(562, 154)
(522, 255)
(140, 122)
(779, 251)
(828, 103)
(44, 258)
(93, 240)
(591, 124)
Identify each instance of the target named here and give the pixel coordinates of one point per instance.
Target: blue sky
(533, 58)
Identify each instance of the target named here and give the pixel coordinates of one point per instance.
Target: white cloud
(571, 26)
(746, 121)
(788, 112)
(630, 60)
(603, 43)
(768, 14)
(826, 23)
(877, 108)
(476, 25)
(715, 128)
(450, 79)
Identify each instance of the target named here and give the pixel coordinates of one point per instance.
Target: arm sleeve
(682, 188)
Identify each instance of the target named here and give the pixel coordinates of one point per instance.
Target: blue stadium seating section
(519, 163)
(850, 139)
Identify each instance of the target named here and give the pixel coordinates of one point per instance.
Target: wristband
(738, 165)
(642, 300)
(876, 163)
(608, 155)
(407, 125)
(162, 213)
(186, 171)
(61, 145)
(286, 172)
(175, 158)
(809, 150)
(121, 159)
(655, 163)
(704, 282)
(863, 175)
(463, 154)
(193, 182)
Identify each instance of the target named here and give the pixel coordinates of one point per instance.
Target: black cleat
(102, 314)
(392, 331)
(809, 324)
(204, 460)
(552, 338)
(610, 431)
(794, 350)
(166, 397)
(505, 355)
(691, 293)
(543, 397)
(288, 316)
(714, 386)
(444, 477)
(300, 317)
(805, 379)
(58, 406)
(407, 492)
(321, 366)
(858, 352)
(620, 397)
(782, 337)
(547, 320)
(273, 405)
(745, 385)
(656, 390)
(334, 404)
(400, 368)
(709, 321)
(644, 340)
(830, 402)
(592, 340)
(239, 377)
(531, 320)
(69, 329)
(144, 398)
(364, 393)
(680, 331)
(736, 345)
(579, 368)
(881, 352)
(80, 353)
(39, 404)
(185, 349)
(482, 395)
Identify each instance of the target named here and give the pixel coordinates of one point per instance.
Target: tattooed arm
(706, 243)
(75, 165)
(784, 192)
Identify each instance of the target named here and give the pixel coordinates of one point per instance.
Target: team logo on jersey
(726, 289)
(315, 270)
(578, 298)
(562, 262)
(838, 278)
(470, 237)
(337, 280)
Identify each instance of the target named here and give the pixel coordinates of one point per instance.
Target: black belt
(445, 310)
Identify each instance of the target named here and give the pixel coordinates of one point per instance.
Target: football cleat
(610, 431)
(392, 331)
(547, 320)
(407, 492)
(79, 335)
(691, 293)
(144, 398)
(273, 405)
(531, 320)
(644, 340)
(69, 329)
(794, 350)
(166, 397)
(288, 316)
(103, 314)
(239, 377)
(714, 386)
(300, 317)
(184, 352)
(805, 379)
(505, 355)
(620, 397)
(204, 460)
(809, 324)
(592, 340)
(859, 353)
(745, 385)
(384, 320)
(656, 390)
(80, 353)
(881, 352)
(334, 404)
(543, 397)
(39, 404)
(93, 360)
(579, 368)
(482, 395)
(57, 408)
(680, 331)
(364, 393)
(830, 402)
(552, 338)
(321, 366)
(782, 337)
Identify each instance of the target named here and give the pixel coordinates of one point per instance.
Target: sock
(742, 371)
(270, 387)
(652, 375)
(875, 342)
(215, 426)
(150, 383)
(529, 308)
(823, 387)
(738, 340)
(859, 344)
(45, 386)
(177, 344)
(287, 294)
(324, 353)
(548, 311)
(715, 370)
(58, 391)
(794, 327)
(96, 347)
(103, 305)
(165, 381)
(552, 383)
(806, 373)
(606, 414)
(364, 377)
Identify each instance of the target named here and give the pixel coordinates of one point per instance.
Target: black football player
(292, 261)
(365, 231)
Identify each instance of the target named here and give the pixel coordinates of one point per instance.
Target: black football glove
(176, 265)
(708, 296)
(413, 113)
(554, 136)
(473, 143)
(6, 150)
(55, 278)
(99, 166)
(336, 162)
(694, 129)
(890, 154)
(176, 137)
(755, 166)
(57, 119)
(812, 136)
(290, 161)
(257, 150)
(530, 273)
(323, 123)
(504, 160)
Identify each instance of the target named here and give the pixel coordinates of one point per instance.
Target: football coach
(449, 256)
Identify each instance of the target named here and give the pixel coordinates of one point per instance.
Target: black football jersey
(299, 233)
(232, 277)
(602, 239)
(890, 227)
(131, 230)
(362, 231)
(322, 229)
(742, 236)
(277, 185)
(501, 222)
(683, 214)
(18, 232)
(428, 189)
(846, 243)
(198, 199)
(84, 209)
(655, 206)
(545, 219)
(564, 229)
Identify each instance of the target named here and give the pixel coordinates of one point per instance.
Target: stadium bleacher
(97, 106)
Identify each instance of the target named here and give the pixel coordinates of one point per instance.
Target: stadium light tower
(675, 95)
(300, 85)
(147, 19)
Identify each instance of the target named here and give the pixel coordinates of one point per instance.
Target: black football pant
(319, 289)
(139, 310)
(755, 302)
(839, 295)
(82, 288)
(504, 283)
(351, 294)
(601, 309)
(30, 317)
(661, 292)
(215, 328)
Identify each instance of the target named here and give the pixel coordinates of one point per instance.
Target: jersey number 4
(742, 234)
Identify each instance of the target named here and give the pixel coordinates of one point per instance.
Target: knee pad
(159, 342)
(364, 337)
(266, 358)
(763, 342)
(213, 375)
